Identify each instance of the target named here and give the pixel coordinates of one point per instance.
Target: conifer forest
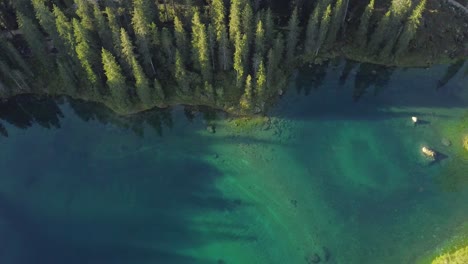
(236, 55)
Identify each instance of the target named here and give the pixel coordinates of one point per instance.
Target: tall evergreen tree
(269, 27)
(324, 27)
(127, 50)
(240, 56)
(293, 37)
(114, 27)
(102, 27)
(200, 47)
(34, 38)
(141, 20)
(248, 22)
(261, 82)
(336, 21)
(410, 28)
(312, 31)
(142, 84)
(180, 73)
(47, 21)
(235, 19)
(84, 10)
(260, 39)
(84, 51)
(361, 35)
(64, 29)
(218, 18)
(247, 98)
(115, 79)
(181, 38)
(224, 51)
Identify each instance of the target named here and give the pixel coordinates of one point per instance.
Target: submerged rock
(211, 129)
(314, 258)
(446, 142)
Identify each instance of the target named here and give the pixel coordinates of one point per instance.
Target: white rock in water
(415, 119)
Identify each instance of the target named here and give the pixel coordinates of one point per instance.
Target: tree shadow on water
(149, 208)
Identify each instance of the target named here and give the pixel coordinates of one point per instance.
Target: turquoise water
(333, 174)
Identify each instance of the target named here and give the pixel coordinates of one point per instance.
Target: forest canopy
(234, 55)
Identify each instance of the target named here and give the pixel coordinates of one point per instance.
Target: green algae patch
(247, 124)
(459, 256)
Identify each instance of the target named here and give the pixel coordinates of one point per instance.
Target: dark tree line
(137, 54)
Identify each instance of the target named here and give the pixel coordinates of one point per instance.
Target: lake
(333, 174)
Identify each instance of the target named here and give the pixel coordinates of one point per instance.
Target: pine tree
(158, 90)
(324, 26)
(248, 22)
(212, 45)
(261, 80)
(260, 39)
(224, 51)
(379, 33)
(114, 28)
(246, 100)
(115, 79)
(181, 38)
(293, 36)
(141, 20)
(84, 11)
(180, 73)
(34, 38)
(361, 35)
(127, 50)
(240, 55)
(410, 29)
(312, 31)
(102, 27)
(84, 51)
(200, 47)
(167, 47)
(47, 21)
(64, 29)
(218, 18)
(335, 24)
(235, 19)
(269, 27)
(142, 85)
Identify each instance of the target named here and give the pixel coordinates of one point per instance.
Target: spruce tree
(246, 100)
(142, 85)
(361, 35)
(127, 50)
(261, 82)
(115, 79)
(324, 27)
(235, 19)
(200, 47)
(47, 21)
(336, 21)
(158, 90)
(240, 55)
(102, 27)
(141, 20)
(84, 51)
(34, 38)
(312, 31)
(167, 47)
(224, 51)
(84, 10)
(180, 73)
(248, 22)
(181, 38)
(64, 29)
(218, 18)
(269, 27)
(410, 28)
(293, 37)
(260, 39)
(114, 27)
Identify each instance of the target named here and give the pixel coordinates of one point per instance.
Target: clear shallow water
(337, 173)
